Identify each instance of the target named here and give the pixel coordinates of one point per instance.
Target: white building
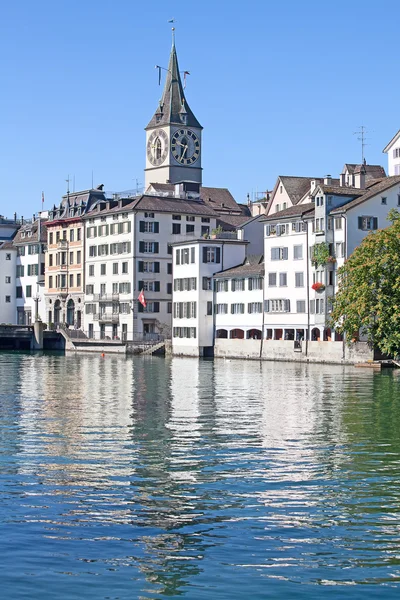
(8, 261)
(239, 300)
(194, 265)
(304, 247)
(30, 243)
(393, 153)
(129, 249)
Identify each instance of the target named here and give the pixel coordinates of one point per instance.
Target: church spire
(173, 99)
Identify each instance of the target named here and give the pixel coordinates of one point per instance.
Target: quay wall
(281, 350)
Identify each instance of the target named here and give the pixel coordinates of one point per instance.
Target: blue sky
(278, 87)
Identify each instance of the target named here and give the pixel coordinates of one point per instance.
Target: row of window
(32, 270)
(32, 249)
(282, 279)
(64, 281)
(184, 332)
(104, 230)
(123, 308)
(285, 228)
(74, 235)
(117, 288)
(185, 310)
(238, 285)
(238, 308)
(283, 305)
(185, 284)
(112, 249)
(184, 256)
(65, 258)
(115, 267)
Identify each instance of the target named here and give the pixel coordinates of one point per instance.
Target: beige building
(64, 281)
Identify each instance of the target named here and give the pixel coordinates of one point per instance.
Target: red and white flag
(142, 299)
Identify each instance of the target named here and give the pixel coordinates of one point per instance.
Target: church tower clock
(173, 136)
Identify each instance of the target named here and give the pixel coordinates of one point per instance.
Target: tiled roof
(219, 199)
(252, 266)
(231, 222)
(7, 246)
(33, 238)
(173, 205)
(385, 184)
(339, 190)
(297, 187)
(292, 211)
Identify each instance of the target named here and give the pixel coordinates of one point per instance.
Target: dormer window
(71, 212)
(158, 118)
(22, 234)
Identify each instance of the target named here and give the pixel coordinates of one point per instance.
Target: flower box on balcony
(318, 287)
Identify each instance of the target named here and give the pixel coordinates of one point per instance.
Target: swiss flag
(142, 299)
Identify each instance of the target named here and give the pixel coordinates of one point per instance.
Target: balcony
(106, 317)
(62, 245)
(105, 297)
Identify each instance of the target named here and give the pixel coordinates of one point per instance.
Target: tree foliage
(368, 299)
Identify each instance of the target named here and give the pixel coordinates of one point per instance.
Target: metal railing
(106, 317)
(139, 338)
(105, 297)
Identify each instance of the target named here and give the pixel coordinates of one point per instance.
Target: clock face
(185, 146)
(157, 147)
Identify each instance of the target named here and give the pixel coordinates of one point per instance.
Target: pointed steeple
(173, 99)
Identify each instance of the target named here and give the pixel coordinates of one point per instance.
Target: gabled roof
(173, 103)
(219, 199)
(7, 246)
(392, 141)
(297, 187)
(252, 266)
(385, 184)
(300, 210)
(338, 190)
(370, 171)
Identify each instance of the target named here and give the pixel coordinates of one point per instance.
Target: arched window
(158, 148)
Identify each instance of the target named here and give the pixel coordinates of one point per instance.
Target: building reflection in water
(172, 457)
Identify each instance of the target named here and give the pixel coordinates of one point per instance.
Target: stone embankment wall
(318, 352)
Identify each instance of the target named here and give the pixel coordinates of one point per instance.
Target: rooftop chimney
(328, 180)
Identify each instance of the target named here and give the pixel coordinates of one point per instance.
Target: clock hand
(184, 151)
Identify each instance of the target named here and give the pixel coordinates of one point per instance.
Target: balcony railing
(105, 297)
(62, 244)
(106, 317)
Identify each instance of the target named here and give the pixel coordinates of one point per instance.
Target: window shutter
(129, 226)
(141, 246)
(218, 255)
(178, 257)
(192, 253)
(140, 307)
(250, 284)
(156, 307)
(140, 285)
(242, 309)
(232, 311)
(360, 222)
(284, 253)
(268, 230)
(375, 223)
(233, 286)
(156, 245)
(266, 305)
(140, 266)
(312, 307)
(157, 286)
(156, 267)
(156, 227)
(287, 305)
(141, 226)
(169, 288)
(249, 308)
(204, 254)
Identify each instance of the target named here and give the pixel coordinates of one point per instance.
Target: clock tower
(173, 136)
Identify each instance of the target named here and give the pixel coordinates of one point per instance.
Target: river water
(150, 478)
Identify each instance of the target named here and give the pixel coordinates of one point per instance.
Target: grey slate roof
(7, 246)
(292, 211)
(371, 171)
(83, 200)
(385, 184)
(173, 102)
(252, 266)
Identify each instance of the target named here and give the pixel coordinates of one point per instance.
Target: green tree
(368, 299)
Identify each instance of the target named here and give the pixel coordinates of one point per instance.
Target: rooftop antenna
(136, 180)
(362, 138)
(67, 182)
